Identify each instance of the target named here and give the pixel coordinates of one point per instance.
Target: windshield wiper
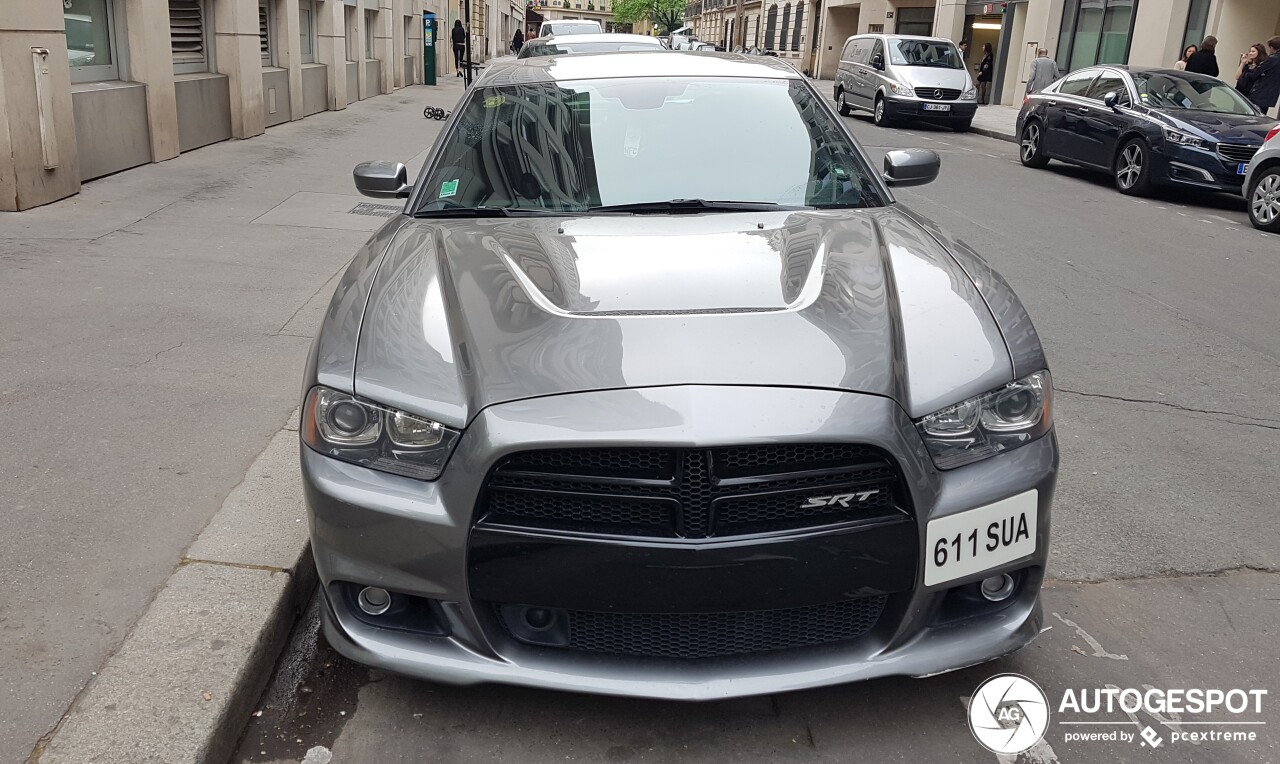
(695, 205)
(483, 212)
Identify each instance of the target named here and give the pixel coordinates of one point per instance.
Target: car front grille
(1236, 152)
(707, 635)
(937, 94)
(691, 492)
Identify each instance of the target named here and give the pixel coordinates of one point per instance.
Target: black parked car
(1144, 126)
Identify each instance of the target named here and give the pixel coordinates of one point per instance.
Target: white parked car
(569, 26)
(1262, 185)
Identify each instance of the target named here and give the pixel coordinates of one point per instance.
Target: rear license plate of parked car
(937, 107)
(1242, 168)
(979, 539)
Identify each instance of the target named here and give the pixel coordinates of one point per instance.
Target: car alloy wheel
(881, 120)
(1131, 168)
(1030, 146)
(844, 105)
(1264, 202)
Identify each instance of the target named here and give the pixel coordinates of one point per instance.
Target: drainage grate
(376, 210)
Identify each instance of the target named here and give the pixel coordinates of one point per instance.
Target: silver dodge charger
(653, 389)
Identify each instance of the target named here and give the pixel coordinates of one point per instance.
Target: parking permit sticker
(448, 188)
(631, 144)
(493, 102)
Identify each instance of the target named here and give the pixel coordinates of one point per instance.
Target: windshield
(1162, 91)
(939, 54)
(554, 29)
(572, 146)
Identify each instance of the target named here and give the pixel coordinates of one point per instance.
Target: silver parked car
(589, 43)
(574, 421)
(1262, 184)
(900, 77)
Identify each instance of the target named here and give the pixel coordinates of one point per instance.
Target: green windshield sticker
(493, 102)
(448, 188)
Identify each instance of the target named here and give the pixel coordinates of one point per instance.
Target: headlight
(902, 90)
(969, 95)
(357, 431)
(1012, 416)
(1184, 139)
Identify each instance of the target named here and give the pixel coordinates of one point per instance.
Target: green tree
(666, 15)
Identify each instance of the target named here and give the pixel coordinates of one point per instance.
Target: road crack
(1250, 421)
(1164, 575)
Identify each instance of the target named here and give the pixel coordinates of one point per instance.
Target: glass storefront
(1197, 22)
(1095, 32)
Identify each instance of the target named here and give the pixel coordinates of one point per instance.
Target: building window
(408, 35)
(1096, 32)
(917, 21)
(786, 23)
(795, 38)
(370, 20)
(1197, 24)
(90, 40)
(266, 36)
(770, 27)
(187, 36)
(875, 28)
(307, 32)
(352, 32)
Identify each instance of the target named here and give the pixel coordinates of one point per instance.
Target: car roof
(603, 37)
(594, 66)
(899, 37)
(570, 21)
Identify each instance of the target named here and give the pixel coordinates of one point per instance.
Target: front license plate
(1242, 168)
(937, 107)
(977, 539)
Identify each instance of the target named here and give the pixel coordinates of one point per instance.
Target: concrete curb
(993, 133)
(183, 684)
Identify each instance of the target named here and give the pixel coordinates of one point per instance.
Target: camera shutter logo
(1008, 714)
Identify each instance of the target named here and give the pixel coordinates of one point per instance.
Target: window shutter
(186, 31)
(795, 39)
(264, 32)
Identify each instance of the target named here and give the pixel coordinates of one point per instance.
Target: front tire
(845, 111)
(1031, 145)
(1132, 169)
(881, 114)
(1264, 201)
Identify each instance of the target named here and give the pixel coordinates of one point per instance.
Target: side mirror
(1111, 100)
(382, 180)
(877, 62)
(911, 167)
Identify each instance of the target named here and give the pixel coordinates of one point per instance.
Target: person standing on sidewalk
(984, 74)
(459, 44)
(1247, 71)
(1266, 81)
(1205, 61)
(1044, 71)
(1181, 63)
(517, 42)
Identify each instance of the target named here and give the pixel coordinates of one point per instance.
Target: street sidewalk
(993, 121)
(155, 328)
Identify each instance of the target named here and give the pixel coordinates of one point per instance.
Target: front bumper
(1199, 168)
(909, 108)
(373, 529)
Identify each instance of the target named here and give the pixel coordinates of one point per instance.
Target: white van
(569, 26)
(898, 77)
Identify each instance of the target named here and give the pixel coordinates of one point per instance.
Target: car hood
(926, 77)
(464, 314)
(1227, 128)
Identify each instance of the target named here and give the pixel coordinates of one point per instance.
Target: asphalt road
(1159, 320)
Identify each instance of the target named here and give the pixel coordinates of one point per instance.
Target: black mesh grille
(1236, 152)
(705, 635)
(692, 493)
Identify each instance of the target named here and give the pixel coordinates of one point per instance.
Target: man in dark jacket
(1266, 78)
(1205, 61)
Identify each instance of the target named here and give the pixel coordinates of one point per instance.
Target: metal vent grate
(376, 210)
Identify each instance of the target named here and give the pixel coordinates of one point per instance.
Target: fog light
(375, 601)
(539, 618)
(997, 588)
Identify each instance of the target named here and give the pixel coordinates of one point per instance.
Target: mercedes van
(902, 77)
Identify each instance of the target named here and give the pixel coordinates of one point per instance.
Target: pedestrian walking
(964, 50)
(1186, 54)
(1204, 61)
(1044, 71)
(1247, 71)
(984, 70)
(1266, 83)
(517, 42)
(459, 44)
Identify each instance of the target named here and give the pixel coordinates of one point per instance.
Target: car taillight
(1274, 132)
